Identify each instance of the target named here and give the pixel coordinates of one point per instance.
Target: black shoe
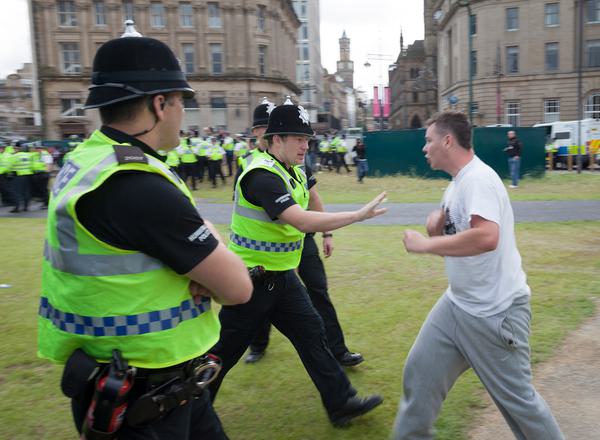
(254, 356)
(15, 210)
(354, 407)
(350, 359)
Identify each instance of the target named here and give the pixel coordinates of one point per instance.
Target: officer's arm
(223, 274)
(311, 221)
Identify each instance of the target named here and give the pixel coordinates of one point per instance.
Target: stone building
(233, 53)
(16, 105)
(524, 59)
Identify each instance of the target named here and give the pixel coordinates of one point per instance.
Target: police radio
(106, 412)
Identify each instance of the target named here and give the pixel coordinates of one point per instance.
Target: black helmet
(289, 119)
(130, 67)
(262, 112)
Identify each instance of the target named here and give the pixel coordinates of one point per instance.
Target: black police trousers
(312, 274)
(282, 299)
(195, 420)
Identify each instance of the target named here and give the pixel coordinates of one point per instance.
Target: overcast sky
(373, 27)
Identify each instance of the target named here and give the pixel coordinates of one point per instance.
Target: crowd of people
(128, 283)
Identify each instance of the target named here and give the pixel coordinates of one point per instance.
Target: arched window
(415, 122)
(592, 106)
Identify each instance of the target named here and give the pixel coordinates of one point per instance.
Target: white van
(562, 139)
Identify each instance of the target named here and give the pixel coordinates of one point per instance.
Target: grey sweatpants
(496, 347)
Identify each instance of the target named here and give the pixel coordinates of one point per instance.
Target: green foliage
(382, 296)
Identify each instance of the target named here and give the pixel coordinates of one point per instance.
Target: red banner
(376, 103)
(387, 102)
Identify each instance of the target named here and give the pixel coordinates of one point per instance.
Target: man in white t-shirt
(482, 320)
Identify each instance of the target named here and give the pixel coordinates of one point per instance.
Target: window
(70, 58)
(216, 56)
(303, 52)
(473, 63)
(218, 108)
(512, 19)
(157, 15)
(592, 53)
(551, 14)
(415, 96)
(512, 59)
(551, 51)
(188, 57)
(513, 113)
(128, 10)
(473, 24)
(593, 11)
(67, 14)
(414, 72)
(300, 8)
(186, 15)
(592, 106)
(302, 72)
(214, 16)
(262, 60)
(474, 108)
(261, 14)
(71, 107)
(551, 110)
(100, 13)
(303, 31)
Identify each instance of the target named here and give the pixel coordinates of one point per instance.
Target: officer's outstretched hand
(372, 209)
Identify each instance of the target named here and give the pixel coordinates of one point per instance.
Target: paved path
(570, 383)
(408, 213)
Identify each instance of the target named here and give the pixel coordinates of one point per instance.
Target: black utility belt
(259, 275)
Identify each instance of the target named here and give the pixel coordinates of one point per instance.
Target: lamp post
(467, 4)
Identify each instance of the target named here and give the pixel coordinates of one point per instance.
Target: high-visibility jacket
(187, 155)
(5, 162)
(216, 153)
(98, 297)
(172, 158)
(245, 160)
(255, 238)
(22, 163)
(338, 145)
(324, 146)
(228, 144)
(37, 162)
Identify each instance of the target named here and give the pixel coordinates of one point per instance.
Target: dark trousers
(312, 274)
(201, 165)
(39, 183)
(6, 190)
(195, 420)
(283, 301)
(214, 169)
(188, 170)
(229, 158)
(342, 161)
(22, 191)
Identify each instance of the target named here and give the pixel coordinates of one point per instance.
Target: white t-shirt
(484, 284)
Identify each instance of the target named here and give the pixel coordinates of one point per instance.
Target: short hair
(269, 138)
(125, 110)
(455, 123)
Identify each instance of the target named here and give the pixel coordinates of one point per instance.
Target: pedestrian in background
(513, 151)
(482, 320)
(362, 166)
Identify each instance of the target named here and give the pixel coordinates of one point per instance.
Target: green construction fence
(401, 151)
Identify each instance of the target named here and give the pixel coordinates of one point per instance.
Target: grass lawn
(382, 296)
(343, 188)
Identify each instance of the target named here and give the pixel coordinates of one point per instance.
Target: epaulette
(129, 154)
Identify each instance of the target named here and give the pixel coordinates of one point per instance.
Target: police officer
(311, 269)
(268, 225)
(21, 165)
(121, 271)
(215, 161)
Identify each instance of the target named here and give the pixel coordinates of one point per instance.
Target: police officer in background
(268, 225)
(21, 165)
(123, 272)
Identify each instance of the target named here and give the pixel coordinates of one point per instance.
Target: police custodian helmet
(262, 112)
(289, 119)
(130, 67)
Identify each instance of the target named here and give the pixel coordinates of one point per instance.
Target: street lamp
(467, 4)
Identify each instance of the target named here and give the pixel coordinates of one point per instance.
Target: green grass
(343, 188)
(382, 296)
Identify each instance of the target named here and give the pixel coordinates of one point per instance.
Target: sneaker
(354, 407)
(254, 356)
(512, 186)
(350, 359)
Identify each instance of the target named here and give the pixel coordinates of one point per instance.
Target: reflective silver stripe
(68, 259)
(255, 214)
(123, 325)
(99, 265)
(266, 246)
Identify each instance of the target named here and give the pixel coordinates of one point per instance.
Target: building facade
(524, 60)
(16, 105)
(309, 73)
(233, 52)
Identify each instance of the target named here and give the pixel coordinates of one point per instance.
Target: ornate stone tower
(345, 67)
